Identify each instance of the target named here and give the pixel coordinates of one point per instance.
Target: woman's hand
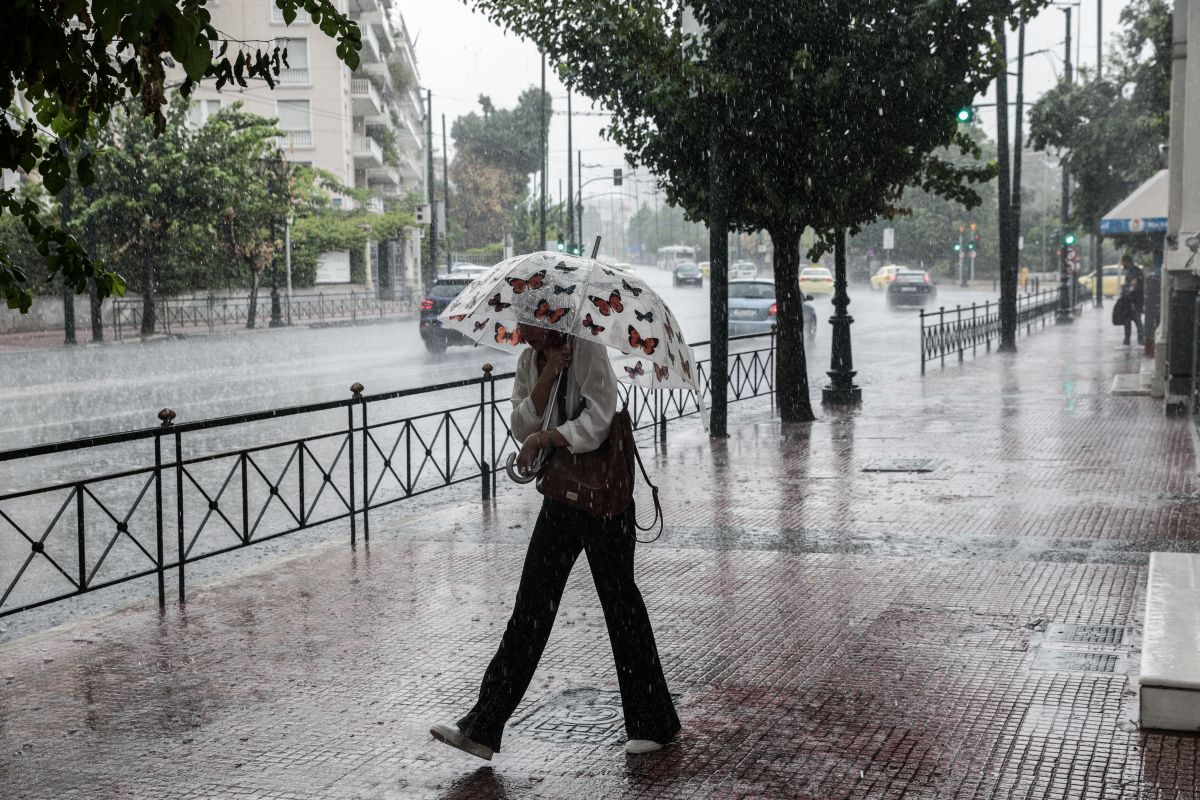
(529, 451)
(557, 359)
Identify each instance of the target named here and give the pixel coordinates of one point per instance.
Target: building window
(295, 120)
(302, 17)
(296, 72)
(202, 111)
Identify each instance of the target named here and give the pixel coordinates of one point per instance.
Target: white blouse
(590, 377)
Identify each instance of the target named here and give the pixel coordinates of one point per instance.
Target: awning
(1144, 211)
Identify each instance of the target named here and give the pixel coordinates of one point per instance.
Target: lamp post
(276, 170)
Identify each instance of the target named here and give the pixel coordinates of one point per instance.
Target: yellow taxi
(885, 275)
(705, 268)
(816, 280)
(1112, 281)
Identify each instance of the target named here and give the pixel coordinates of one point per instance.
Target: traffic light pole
(1065, 315)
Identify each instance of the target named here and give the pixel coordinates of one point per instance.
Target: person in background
(1133, 289)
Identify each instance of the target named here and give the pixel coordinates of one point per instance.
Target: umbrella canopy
(584, 298)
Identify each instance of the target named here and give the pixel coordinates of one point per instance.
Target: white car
(743, 271)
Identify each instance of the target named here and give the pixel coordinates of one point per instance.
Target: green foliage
(1108, 129)
(403, 80)
(504, 138)
(73, 64)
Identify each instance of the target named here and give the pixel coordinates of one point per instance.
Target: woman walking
(581, 424)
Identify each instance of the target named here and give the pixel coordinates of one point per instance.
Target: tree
(69, 66)
(1108, 129)
(486, 198)
(829, 110)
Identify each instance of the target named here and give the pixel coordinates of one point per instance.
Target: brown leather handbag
(599, 482)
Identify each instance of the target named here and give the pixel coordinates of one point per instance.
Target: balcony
(372, 52)
(294, 76)
(377, 20)
(375, 205)
(367, 152)
(366, 101)
(293, 139)
(384, 178)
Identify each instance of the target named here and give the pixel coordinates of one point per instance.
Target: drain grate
(1073, 661)
(1112, 635)
(582, 716)
(902, 465)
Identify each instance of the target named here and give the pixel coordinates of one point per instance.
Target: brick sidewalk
(830, 632)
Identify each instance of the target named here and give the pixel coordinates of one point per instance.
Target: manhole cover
(1069, 661)
(902, 465)
(585, 716)
(1113, 635)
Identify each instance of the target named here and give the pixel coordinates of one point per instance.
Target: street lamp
(276, 170)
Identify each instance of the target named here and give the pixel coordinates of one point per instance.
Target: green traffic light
(966, 114)
(1069, 239)
(561, 246)
(958, 248)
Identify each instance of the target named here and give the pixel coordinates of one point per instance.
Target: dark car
(436, 336)
(752, 309)
(911, 288)
(688, 272)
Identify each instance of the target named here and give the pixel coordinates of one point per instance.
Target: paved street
(829, 631)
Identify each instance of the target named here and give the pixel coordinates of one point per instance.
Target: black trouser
(561, 532)
(1135, 316)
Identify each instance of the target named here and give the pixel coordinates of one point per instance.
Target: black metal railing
(192, 499)
(173, 314)
(964, 329)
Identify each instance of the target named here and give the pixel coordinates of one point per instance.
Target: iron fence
(98, 527)
(963, 329)
(212, 313)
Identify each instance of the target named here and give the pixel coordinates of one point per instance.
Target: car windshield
(752, 291)
(447, 290)
(911, 277)
(815, 273)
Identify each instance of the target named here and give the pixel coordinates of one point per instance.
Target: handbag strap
(658, 515)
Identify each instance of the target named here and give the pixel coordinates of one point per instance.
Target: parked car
(816, 280)
(911, 287)
(705, 268)
(625, 265)
(885, 275)
(688, 273)
(752, 309)
(1112, 281)
(468, 270)
(743, 270)
(444, 289)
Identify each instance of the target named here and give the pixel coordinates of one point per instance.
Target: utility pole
(1065, 314)
(542, 161)
(1008, 281)
(446, 192)
(429, 181)
(570, 181)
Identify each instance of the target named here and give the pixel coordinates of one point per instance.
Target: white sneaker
(637, 747)
(451, 735)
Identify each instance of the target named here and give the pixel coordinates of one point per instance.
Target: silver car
(752, 309)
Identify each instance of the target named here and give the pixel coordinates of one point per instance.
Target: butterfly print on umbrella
(552, 315)
(635, 370)
(636, 292)
(458, 317)
(660, 372)
(534, 281)
(496, 305)
(506, 336)
(591, 326)
(667, 325)
(687, 368)
(481, 325)
(647, 317)
(565, 289)
(606, 307)
(646, 345)
(562, 267)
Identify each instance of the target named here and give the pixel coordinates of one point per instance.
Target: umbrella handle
(510, 466)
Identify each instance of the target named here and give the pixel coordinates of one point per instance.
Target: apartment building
(364, 126)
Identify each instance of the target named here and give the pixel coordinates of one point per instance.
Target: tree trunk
(252, 307)
(149, 315)
(1008, 272)
(791, 365)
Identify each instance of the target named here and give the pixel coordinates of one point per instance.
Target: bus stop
(1139, 222)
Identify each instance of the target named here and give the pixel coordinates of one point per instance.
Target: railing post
(353, 309)
(484, 466)
(356, 390)
(942, 334)
(79, 532)
(366, 440)
(492, 465)
(775, 362)
(922, 342)
(958, 328)
(321, 306)
(179, 513)
(975, 330)
(166, 416)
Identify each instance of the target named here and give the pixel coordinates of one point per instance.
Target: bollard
(942, 332)
(975, 333)
(356, 389)
(958, 330)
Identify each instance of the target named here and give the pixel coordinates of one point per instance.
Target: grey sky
(462, 55)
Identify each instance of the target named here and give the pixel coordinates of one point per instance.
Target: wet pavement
(831, 629)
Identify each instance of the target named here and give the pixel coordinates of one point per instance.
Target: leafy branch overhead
(70, 64)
